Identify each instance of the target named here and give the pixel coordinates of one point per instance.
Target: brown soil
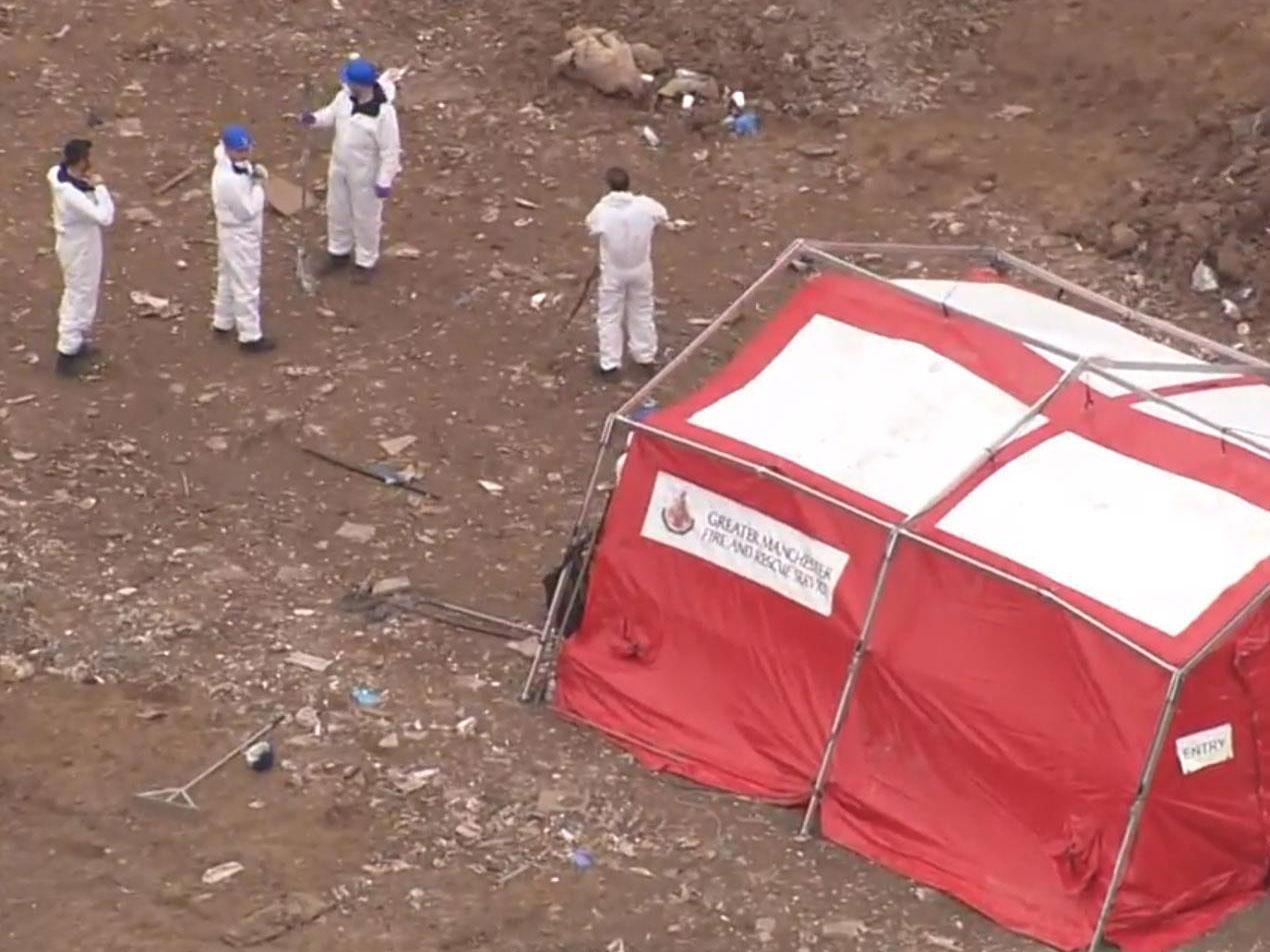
(169, 539)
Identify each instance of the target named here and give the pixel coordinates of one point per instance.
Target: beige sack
(600, 58)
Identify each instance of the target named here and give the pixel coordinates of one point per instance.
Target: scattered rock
(1249, 128)
(129, 128)
(23, 456)
(356, 532)
(1121, 240)
(844, 929)
(812, 151)
(491, 487)
(942, 942)
(140, 215)
(389, 742)
(1203, 278)
(936, 158)
(293, 574)
(303, 659)
(407, 252)
(398, 444)
(1013, 111)
(390, 586)
(307, 717)
(765, 928)
(276, 919)
(14, 670)
(150, 305)
(222, 873)
(409, 782)
(526, 646)
(217, 444)
(560, 801)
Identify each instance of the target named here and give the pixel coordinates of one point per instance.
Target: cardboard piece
(285, 197)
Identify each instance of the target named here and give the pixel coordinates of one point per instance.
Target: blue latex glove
(383, 191)
(308, 119)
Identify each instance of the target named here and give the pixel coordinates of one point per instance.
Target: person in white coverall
(82, 207)
(365, 159)
(625, 223)
(238, 198)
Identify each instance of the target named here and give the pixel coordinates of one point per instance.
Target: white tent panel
(1156, 546)
(888, 418)
(1244, 409)
(1067, 328)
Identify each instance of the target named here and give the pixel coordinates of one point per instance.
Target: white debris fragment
(221, 873)
(1203, 278)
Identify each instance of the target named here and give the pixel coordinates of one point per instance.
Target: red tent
(976, 577)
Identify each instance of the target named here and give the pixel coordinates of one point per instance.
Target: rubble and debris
(151, 305)
(311, 662)
(276, 919)
(1013, 111)
(1203, 278)
(222, 873)
(397, 445)
(14, 669)
(356, 532)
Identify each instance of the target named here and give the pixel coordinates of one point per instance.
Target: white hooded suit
(238, 198)
(80, 212)
(625, 223)
(366, 153)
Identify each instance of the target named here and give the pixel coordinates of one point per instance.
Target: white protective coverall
(366, 153)
(239, 201)
(80, 212)
(625, 223)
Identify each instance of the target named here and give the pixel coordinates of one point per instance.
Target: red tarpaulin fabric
(995, 738)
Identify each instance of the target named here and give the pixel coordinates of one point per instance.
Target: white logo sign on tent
(744, 541)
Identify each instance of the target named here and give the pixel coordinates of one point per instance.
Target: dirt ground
(165, 544)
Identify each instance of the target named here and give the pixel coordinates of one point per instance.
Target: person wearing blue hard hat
(238, 199)
(82, 207)
(365, 159)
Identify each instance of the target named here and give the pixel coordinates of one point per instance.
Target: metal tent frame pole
(1101, 366)
(527, 692)
(866, 627)
(1138, 807)
(1145, 781)
(848, 689)
(542, 668)
(1013, 262)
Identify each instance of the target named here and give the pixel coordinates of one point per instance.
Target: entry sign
(1206, 748)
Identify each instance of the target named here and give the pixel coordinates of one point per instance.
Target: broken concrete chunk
(356, 532)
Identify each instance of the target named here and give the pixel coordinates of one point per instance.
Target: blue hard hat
(237, 138)
(360, 72)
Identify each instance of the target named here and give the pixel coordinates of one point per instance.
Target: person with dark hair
(82, 207)
(624, 223)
